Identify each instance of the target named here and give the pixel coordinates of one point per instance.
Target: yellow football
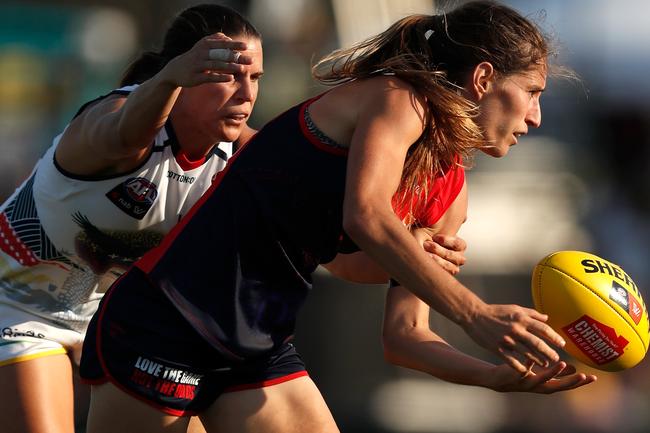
(595, 306)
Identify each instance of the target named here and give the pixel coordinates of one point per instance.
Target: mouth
(236, 118)
(516, 136)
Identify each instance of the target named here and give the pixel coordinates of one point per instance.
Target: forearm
(146, 110)
(422, 350)
(382, 236)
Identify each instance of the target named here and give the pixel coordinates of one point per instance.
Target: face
(219, 111)
(509, 107)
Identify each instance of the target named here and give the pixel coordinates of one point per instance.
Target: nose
(245, 92)
(534, 114)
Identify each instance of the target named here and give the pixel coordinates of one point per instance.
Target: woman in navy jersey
(203, 323)
(119, 177)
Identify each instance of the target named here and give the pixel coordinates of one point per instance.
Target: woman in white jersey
(123, 172)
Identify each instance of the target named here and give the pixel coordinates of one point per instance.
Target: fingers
(453, 256)
(213, 59)
(221, 66)
(546, 374)
(450, 242)
(225, 55)
(448, 266)
(568, 370)
(528, 338)
(537, 334)
(514, 360)
(542, 330)
(522, 359)
(448, 252)
(536, 350)
(213, 77)
(224, 49)
(223, 60)
(555, 379)
(219, 40)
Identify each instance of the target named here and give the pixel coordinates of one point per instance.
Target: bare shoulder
(378, 92)
(394, 101)
(392, 90)
(380, 99)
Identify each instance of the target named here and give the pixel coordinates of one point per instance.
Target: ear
(482, 79)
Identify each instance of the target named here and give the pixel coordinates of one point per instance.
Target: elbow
(360, 222)
(353, 224)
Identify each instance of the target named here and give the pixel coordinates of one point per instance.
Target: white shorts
(24, 336)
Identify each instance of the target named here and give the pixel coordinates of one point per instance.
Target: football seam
(597, 295)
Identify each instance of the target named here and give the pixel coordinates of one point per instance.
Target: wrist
(486, 379)
(470, 313)
(162, 82)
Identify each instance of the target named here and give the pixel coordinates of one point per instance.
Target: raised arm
(116, 133)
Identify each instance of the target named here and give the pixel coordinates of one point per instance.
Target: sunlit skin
(509, 108)
(218, 111)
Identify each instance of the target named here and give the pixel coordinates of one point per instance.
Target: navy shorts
(139, 342)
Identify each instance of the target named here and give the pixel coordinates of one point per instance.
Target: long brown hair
(434, 53)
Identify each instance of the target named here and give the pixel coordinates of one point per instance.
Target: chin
(230, 134)
(495, 152)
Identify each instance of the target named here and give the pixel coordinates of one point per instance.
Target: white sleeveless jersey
(64, 239)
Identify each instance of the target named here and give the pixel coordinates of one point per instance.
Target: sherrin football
(595, 306)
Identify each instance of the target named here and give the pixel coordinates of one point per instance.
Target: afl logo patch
(135, 196)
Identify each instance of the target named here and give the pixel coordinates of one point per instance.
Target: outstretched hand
(199, 65)
(518, 334)
(548, 380)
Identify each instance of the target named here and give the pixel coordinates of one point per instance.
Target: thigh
(195, 425)
(112, 410)
(36, 396)
(294, 406)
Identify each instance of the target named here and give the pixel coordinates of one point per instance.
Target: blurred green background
(579, 182)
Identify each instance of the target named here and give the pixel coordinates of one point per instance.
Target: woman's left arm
(446, 250)
(444, 247)
(409, 341)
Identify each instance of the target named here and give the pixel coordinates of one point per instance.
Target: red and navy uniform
(238, 267)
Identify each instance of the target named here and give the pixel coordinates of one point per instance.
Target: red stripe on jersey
(266, 383)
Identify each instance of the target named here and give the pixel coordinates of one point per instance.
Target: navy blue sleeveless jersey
(238, 266)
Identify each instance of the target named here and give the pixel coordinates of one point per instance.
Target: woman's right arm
(116, 134)
(391, 119)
